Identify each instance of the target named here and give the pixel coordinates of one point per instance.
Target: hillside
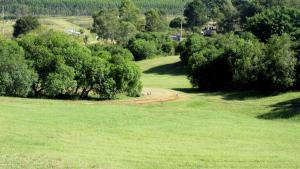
(82, 7)
(203, 130)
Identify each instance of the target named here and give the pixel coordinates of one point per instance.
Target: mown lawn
(205, 130)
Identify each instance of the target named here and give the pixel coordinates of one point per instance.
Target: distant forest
(83, 7)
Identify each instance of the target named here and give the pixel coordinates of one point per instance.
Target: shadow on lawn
(283, 110)
(227, 95)
(245, 95)
(175, 69)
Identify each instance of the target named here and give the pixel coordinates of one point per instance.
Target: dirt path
(153, 95)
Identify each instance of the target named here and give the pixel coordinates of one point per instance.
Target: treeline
(82, 7)
(264, 54)
(145, 37)
(53, 64)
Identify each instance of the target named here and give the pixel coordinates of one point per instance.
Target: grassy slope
(208, 130)
(59, 24)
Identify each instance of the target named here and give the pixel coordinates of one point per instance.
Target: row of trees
(53, 64)
(82, 7)
(266, 57)
(145, 36)
(233, 62)
(231, 15)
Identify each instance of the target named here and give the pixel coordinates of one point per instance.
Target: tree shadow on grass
(245, 95)
(187, 90)
(283, 110)
(227, 95)
(175, 69)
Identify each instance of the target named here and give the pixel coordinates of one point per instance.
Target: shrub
(192, 45)
(231, 62)
(142, 49)
(163, 42)
(176, 22)
(279, 69)
(167, 48)
(25, 25)
(277, 20)
(16, 78)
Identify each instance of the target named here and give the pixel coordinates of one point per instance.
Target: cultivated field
(198, 130)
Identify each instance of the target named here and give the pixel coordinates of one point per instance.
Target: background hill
(83, 7)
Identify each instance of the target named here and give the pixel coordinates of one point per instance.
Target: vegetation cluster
(52, 64)
(82, 7)
(259, 50)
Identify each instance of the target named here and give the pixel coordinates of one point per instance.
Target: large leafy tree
(16, 78)
(25, 25)
(277, 20)
(129, 12)
(196, 13)
(155, 21)
(232, 62)
(59, 61)
(199, 12)
(108, 25)
(279, 63)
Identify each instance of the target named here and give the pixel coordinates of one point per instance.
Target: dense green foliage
(199, 12)
(83, 7)
(142, 49)
(57, 65)
(110, 26)
(146, 45)
(16, 77)
(25, 25)
(232, 62)
(230, 15)
(155, 21)
(276, 20)
(176, 22)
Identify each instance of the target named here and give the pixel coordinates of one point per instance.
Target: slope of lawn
(76, 23)
(206, 130)
(164, 72)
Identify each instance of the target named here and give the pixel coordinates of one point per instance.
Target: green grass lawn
(206, 130)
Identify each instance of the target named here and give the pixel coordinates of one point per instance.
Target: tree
(129, 12)
(142, 49)
(246, 62)
(155, 21)
(277, 20)
(61, 81)
(25, 25)
(108, 25)
(16, 78)
(176, 22)
(127, 77)
(127, 32)
(279, 64)
(99, 79)
(192, 45)
(59, 61)
(199, 12)
(196, 13)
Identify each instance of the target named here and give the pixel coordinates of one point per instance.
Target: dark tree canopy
(25, 25)
(276, 20)
(155, 21)
(67, 68)
(16, 77)
(233, 62)
(176, 22)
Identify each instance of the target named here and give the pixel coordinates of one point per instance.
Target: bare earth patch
(153, 95)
